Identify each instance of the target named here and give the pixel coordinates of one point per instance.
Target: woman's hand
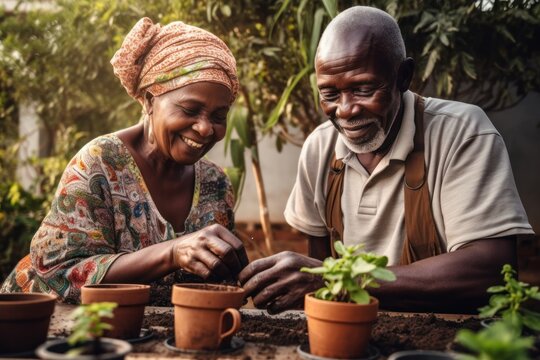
(276, 282)
(213, 252)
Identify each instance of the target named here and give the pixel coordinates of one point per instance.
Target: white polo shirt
(473, 194)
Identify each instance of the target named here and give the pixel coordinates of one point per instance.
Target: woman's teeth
(192, 143)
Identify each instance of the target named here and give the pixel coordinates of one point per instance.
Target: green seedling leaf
(346, 278)
(383, 274)
(508, 302)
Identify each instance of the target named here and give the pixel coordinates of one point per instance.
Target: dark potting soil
(391, 333)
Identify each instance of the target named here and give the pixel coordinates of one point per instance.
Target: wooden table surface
(156, 349)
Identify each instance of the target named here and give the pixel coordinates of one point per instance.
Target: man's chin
(363, 146)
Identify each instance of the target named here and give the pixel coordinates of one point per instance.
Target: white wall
(279, 172)
(519, 126)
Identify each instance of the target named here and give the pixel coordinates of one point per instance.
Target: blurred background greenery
(54, 55)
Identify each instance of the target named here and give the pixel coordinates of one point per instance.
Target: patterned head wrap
(160, 59)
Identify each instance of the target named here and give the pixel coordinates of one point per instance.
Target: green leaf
(496, 289)
(315, 34)
(237, 154)
(339, 247)
(531, 319)
(239, 122)
(315, 270)
(444, 39)
(226, 10)
(237, 178)
(314, 89)
(432, 61)
(278, 110)
(383, 274)
(331, 7)
(336, 288)
(360, 266)
(360, 296)
(283, 7)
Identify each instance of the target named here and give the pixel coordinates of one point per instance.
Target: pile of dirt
(391, 333)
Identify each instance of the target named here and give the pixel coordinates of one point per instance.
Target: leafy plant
(500, 341)
(347, 277)
(508, 300)
(89, 327)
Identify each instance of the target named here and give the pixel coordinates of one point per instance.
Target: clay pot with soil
(24, 321)
(86, 341)
(131, 300)
(206, 316)
(340, 315)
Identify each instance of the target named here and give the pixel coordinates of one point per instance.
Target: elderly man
(447, 241)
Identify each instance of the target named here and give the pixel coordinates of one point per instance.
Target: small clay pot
(339, 330)
(206, 315)
(131, 300)
(114, 349)
(24, 320)
(420, 355)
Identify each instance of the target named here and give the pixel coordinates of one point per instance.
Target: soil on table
(391, 333)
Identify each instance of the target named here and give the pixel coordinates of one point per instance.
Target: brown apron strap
(421, 239)
(334, 189)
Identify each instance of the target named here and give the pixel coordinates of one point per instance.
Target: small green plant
(500, 341)
(88, 327)
(508, 299)
(347, 277)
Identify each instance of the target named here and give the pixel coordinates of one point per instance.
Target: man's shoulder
(453, 108)
(458, 115)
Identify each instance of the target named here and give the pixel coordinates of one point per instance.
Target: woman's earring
(150, 130)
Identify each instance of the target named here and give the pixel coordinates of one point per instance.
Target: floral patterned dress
(103, 209)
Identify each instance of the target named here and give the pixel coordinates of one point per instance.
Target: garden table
(155, 348)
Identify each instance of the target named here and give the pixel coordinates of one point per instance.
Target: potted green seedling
(86, 340)
(340, 314)
(499, 341)
(508, 302)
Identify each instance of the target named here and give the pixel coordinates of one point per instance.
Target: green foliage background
(483, 52)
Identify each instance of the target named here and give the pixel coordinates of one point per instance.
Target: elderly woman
(142, 204)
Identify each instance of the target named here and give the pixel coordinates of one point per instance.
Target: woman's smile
(192, 143)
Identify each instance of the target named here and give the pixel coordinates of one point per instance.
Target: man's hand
(212, 252)
(276, 282)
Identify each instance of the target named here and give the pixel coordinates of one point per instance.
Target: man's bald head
(363, 29)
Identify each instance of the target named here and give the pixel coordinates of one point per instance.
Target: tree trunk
(263, 203)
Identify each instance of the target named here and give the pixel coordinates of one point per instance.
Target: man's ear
(148, 103)
(405, 74)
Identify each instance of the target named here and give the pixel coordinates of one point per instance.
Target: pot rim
(115, 287)
(398, 354)
(196, 287)
(312, 297)
(33, 298)
(122, 348)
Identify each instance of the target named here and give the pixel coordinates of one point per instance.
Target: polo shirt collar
(403, 144)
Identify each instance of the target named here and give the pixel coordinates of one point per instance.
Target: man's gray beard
(369, 146)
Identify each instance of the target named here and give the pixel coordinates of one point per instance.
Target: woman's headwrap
(160, 59)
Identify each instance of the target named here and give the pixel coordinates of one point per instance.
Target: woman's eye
(189, 112)
(220, 118)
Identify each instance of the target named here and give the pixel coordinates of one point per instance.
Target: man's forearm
(453, 283)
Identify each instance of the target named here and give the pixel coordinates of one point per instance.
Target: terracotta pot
(339, 330)
(206, 315)
(114, 349)
(131, 300)
(24, 320)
